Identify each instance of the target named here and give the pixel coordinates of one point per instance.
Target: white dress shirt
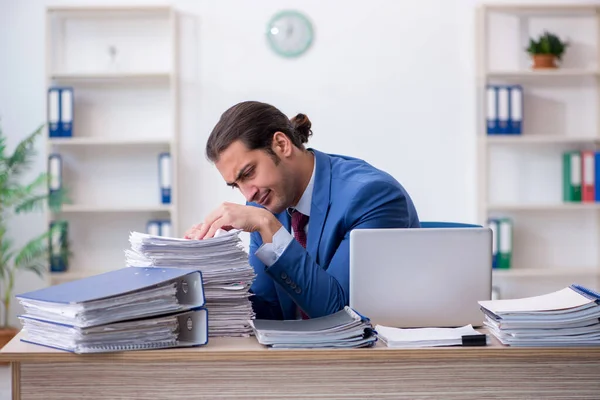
(269, 253)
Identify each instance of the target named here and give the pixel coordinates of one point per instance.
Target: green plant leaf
(24, 154)
(33, 255)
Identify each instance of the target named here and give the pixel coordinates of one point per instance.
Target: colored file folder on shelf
(504, 114)
(60, 111)
(165, 177)
(572, 176)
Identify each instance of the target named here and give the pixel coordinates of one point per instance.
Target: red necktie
(299, 222)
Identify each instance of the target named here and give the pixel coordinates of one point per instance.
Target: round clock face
(290, 33)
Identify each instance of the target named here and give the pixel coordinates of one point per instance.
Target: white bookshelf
(520, 177)
(122, 64)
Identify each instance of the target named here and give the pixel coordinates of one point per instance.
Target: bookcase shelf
(544, 207)
(546, 272)
(65, 78)
(541, 139)
(520, 176)
(122, 64)
(554, 73)
(100, 141)
(75, 208)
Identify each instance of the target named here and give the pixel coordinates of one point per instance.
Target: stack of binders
(126, 309)
(226, 272)
(344, 329)
(568, 317)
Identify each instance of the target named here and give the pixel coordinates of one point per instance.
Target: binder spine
(164, 171)
(53, 112)
(66, 112)
(492, 110)
(589, 293)
(58, 246)
(516, 110)
(54, 172)
(503, 107)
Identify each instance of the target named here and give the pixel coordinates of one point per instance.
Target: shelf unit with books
(121, 64)
(552, 242)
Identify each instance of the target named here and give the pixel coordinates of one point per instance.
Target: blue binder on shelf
(60, 111)
(159, 227)
(515, 110)
(492, 109)
(54, 172)
(153, 228)
(66, 111)
(165, 228)
(53, 112)
(57, 245)
(165, 177)
(597, 176)
(503, 109)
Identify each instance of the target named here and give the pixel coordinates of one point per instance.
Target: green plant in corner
(546, 50)
(19, 198)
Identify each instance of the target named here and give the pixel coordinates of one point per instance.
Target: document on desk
(226, 273)
(567, 317)
(344, 329)
(430, 337)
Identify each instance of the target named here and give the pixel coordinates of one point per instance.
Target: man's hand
(236, 216)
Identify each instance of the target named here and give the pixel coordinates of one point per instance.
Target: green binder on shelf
(572, 176)
(505, 243)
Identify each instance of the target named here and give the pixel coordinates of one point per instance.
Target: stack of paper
(346, 328)
(568, 317)
(430, 337)
(126, 309)
(226, 274)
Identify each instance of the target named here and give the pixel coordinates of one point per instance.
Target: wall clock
(290, 33)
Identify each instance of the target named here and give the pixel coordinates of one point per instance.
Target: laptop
(421, 277)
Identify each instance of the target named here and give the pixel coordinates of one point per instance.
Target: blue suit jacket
(348, 194)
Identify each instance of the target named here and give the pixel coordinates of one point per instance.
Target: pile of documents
(126, 309)
(568, 317)
(226, 274)
(344, 329)
(409, 338)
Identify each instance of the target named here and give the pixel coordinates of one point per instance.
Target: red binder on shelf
(588, 182)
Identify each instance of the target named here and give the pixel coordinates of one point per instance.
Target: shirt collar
(306, 200)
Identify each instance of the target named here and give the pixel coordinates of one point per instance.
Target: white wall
(389, 81)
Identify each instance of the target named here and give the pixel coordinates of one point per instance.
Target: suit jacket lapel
(320, 202)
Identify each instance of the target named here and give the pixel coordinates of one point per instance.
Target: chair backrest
(444, 224)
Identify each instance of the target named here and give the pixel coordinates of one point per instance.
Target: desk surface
(244, 349)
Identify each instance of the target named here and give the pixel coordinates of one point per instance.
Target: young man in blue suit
(302, 205)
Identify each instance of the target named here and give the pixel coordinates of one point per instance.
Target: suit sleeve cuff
(269, 253)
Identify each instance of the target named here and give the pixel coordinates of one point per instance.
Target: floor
(5, 393)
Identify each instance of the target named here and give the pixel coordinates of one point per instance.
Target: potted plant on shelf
(546, 50)
(18, 198)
